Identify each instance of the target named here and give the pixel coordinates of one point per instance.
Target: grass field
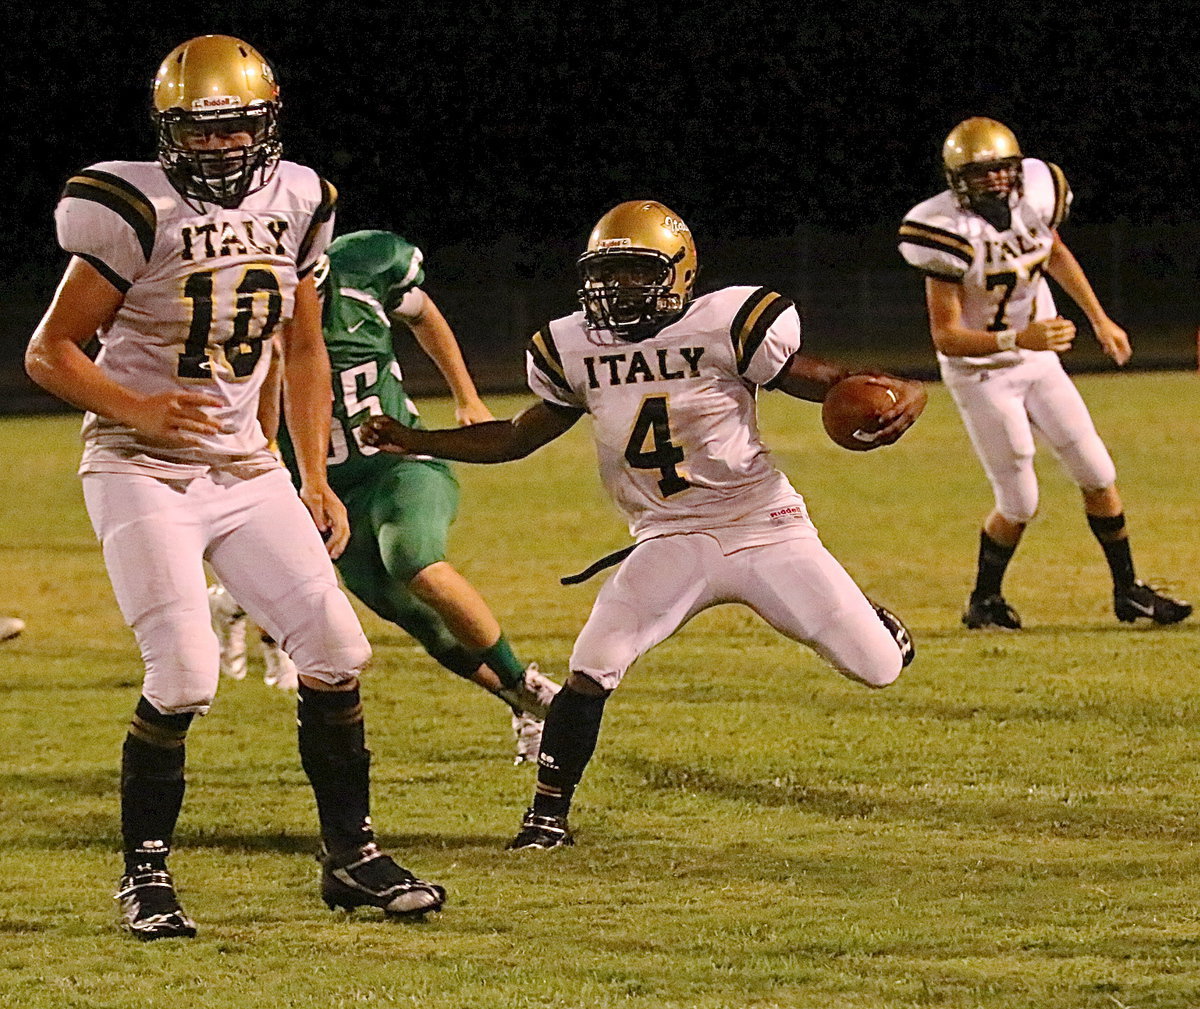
(1014, 824)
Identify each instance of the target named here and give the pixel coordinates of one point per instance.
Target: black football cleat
(990, 611)
(541, 832)
(1139, 600)
(366, 877)
(149, 908)
(895, 627)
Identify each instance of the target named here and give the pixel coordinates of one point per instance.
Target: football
(851, 411)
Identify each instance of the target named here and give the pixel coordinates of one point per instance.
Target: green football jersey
(369, 273)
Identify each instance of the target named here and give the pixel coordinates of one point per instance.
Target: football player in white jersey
(185, 268)
(670, 383)
(985, 246)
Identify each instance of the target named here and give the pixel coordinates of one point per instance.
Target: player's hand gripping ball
(852, 409)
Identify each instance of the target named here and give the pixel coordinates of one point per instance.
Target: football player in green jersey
(401, 508)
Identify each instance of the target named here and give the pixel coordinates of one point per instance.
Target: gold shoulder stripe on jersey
(322, 214)
(1061, 190)
(756, 326)
(739, 320)
(125, 200)
(929, 237)
(950, 278)
(761, 301)
(547, 359)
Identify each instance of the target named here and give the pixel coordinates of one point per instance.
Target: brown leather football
(851, 410)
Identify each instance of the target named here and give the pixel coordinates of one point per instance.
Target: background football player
(670, 383)
(400, 509)
(986, 245)
(185, 267)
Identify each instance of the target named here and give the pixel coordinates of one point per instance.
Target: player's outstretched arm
(437, 339)
(1065, 269)
(811, 378)
(84, 303)
(491, 441)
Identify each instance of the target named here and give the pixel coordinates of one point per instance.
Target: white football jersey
(1001, 272)
(673, 416)
(205, 290)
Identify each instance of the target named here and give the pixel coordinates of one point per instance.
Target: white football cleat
(534, 696)
(279, 671)
(528, 731)
(229, 625)
(531, 695)
(10, 627)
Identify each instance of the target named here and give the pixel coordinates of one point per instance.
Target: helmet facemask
(628, 291)
(204, 170)
(987, 188)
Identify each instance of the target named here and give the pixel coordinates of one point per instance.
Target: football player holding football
(986, 246)
(185, 268)
(400, 509)
(670, 382)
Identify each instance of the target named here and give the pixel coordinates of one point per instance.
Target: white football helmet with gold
(209, 91)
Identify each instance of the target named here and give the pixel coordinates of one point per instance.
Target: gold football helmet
(216, 106)
(982, 161)
(638, 270)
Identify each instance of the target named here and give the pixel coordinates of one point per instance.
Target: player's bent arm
(1065, 269)
(811, 378)
(85, 303)
(437, 340)
(952, 337)
(808, 377)
(491, 441)
(308, 407)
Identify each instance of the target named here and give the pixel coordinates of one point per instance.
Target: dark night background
(791, 138)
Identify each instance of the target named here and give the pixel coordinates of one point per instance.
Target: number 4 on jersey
(653, 425)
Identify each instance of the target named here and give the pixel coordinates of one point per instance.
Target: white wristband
(1006, 339)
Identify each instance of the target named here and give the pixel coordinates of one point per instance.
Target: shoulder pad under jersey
(106, 219)
(931, 239)
(1046, 190)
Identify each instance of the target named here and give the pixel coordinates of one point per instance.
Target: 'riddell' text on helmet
(216, 106)
(638, 270)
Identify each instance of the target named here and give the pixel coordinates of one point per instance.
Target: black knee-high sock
(334, 755)
(152, 784)
(1114, 541)
(568, 742)
(993, 562)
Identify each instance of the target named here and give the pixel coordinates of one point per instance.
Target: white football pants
(1002, 407)
(261, 542)
(796, 586)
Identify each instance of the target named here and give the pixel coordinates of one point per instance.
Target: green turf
(1012, 825)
